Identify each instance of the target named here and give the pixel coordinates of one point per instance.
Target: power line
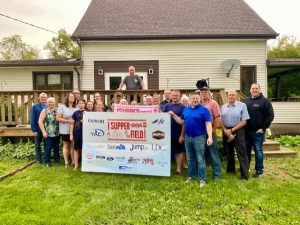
(28, 24)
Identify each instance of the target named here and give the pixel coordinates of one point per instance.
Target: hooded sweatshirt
(260, 111)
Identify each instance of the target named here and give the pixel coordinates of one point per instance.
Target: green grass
(57, 195)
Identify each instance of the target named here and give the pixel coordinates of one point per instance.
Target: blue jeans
(214, 157)
(51, 142)
(37, 146)
(195, 150)
(256, 140)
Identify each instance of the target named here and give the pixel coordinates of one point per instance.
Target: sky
(53, 15)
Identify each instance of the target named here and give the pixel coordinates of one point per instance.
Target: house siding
(181, 62)
(286, 112)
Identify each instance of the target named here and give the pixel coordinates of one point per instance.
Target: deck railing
(15, 106)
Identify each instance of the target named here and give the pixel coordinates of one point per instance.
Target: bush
(289, 141)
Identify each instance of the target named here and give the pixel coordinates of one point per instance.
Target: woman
(49, 128)
(186, 101)
(123, 102)
(89, 106)
(99, 106)
(97, 97)
(111, 105)
(64, 117)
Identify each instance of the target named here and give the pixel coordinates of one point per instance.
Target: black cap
(202, 84)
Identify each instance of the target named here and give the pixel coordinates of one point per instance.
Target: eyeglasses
(76, 93)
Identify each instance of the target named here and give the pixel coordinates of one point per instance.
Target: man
(261, 116)
(176, 129)
(118, 97)
(167, 94)
(212, 150)
(76, 93)
(156, 99)
(149, 100)
(197, 122)
(34, 122)
(132, 81)
(234, 115)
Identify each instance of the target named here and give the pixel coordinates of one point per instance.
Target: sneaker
(202, 183)
(48, 165)
(38, 162)
(257, 175)
(188, 180)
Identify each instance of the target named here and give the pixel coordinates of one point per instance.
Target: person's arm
(121, 85)
(268, 117)
(59, 118)
(209, 133)
(176, 118)
(216, 124)
(181, 138)
(32, 122)
(143, 85)
(71, 132)
(41, 123)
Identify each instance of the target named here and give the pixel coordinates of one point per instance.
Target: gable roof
(171, 19)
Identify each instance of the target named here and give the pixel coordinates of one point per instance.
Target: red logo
(158, 134)
(89, 156)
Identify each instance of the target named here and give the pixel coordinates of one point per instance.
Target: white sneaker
(202, 183)
(188, 180)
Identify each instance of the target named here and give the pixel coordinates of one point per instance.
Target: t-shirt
(77, 117)
(64, 128)
(175, 127)
(132, 83)
(194, 119)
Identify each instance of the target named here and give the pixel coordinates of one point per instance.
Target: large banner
(131, 143)
(136, 109)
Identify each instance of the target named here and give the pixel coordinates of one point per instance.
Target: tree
(285, 47)
(13, 48)
(62, 46)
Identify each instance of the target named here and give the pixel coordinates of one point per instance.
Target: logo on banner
(158, 135)
(117, 147)
(157, 147)
(89, 156)
(100, 146)
(95, 121)
(110, 158)
(120, 159)
(125, 168)
(138, 147)
(133, 160)
(97, 133)
(100, 158)
(149, 161)
(158, 121)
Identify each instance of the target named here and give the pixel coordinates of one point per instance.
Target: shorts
(77, 143)
(65, 137)
(176, 148)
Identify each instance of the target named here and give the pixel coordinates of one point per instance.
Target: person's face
(195, 100)
(81, 105)
(133, 103)
(255, 91)
(149, 100)
(156, 100)
(131, 71)
(89, 106)
(167, 95)
(118, 98)
(97, 97)
(43, 99)
(123, 103)
(76, 94)
(231, 97)
(112, 106)
(185, 102)
(175, 97)
(204, 94)
(51, 104)
(71, 98)
(99, 106)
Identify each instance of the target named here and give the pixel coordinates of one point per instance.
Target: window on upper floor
(53, 80)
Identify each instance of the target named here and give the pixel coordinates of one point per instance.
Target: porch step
(270, 145)
(282, 153)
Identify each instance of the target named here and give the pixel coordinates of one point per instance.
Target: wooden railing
(15, 106)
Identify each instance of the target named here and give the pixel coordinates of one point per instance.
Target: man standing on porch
(261, 116)
(132, 81)
(34, 122)
(167, 94)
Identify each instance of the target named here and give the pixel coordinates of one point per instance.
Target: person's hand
(171, 113)
(227, 132)
(118, 89)
(45, 135)
(181, 139)
(260, 131)
(209, 141)
(71, 121)
(144, 89)
(71, 137)
(35, 134)
(231, 137)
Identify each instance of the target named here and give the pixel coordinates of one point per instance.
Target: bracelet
(231, 130)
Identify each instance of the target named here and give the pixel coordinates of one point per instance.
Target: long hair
(67, 100)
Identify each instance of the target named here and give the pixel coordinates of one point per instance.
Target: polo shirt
(213, 108)
(233, 115)
(194, 119)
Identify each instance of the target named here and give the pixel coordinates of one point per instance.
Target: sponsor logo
(158, 135)
(118, 147)
(138, 147)
(95, 121)
(89, 156)
(162, 164)
(158, 121)
(97, 133)
(110, 158)
(125, 168)
(157, 147)
(148, 161)
(133, 160)
(100, 158)
(100, 146)
(120, 159)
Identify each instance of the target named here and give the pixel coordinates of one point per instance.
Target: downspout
(79, 81)
(79, 86)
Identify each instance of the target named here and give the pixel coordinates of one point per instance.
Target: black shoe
(48, 165)
(238, 170)
(38, 162)
(257, 175)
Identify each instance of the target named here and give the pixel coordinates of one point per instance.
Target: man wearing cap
(211, 151)
(132, 81)
(118, 97)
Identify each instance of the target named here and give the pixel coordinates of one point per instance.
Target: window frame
(46, 73)
(255, 74)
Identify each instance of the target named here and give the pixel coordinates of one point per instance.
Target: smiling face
(89, 106)
(131, 71)
(167, 94)
(97, 97)
(255, 90)
(185, 102)
(231, 97)
(156, 100)
(99, 107)
(149, 100)
(175, 97)
(43, 99)
(195, 100)
(204, 94)
(51, 103)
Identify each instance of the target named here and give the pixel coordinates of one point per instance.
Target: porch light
(100, 71)
(151, 71)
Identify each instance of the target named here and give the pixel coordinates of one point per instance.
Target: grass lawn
(58, 195)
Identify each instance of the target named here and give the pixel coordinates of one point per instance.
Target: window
(248, 77)
(53, 80)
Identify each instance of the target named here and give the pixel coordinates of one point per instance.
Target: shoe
(38, 162)
(257, 175)
(67, 166)
(188, 180)
(217, 179)
(202, 183)
(177, 173)
(238, 170)
(48, 165)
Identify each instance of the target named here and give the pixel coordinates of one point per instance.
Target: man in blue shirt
(34, 122)
(234, 115)
(197, 121)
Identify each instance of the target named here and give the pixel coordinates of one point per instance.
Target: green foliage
(12, 107)
(13, 48)
(289, 141)
(62, 46)
(6, 148)
(284, 47)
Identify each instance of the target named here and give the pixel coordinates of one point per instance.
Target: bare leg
(71, 147)
(184, 160)
(76, 157)
(178, 161)
(66, 152)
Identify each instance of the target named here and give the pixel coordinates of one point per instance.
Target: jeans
(195, 150)
(37, 146)
(213, 153)
(51, 142)
(256, 140)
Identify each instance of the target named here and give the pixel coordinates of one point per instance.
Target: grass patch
(57, 195)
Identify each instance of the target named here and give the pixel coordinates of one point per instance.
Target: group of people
(194, 121)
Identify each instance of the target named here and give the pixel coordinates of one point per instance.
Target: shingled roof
(42, 62)
(171, 19)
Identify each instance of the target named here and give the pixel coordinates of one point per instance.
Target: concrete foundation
(278, 129)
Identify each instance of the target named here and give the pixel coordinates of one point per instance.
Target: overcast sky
(281, 15)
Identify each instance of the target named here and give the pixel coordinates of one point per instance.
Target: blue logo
(158, 121)
(97, 132)
(95, 121)
(120, 147)
(125, 168)
(141, 147)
